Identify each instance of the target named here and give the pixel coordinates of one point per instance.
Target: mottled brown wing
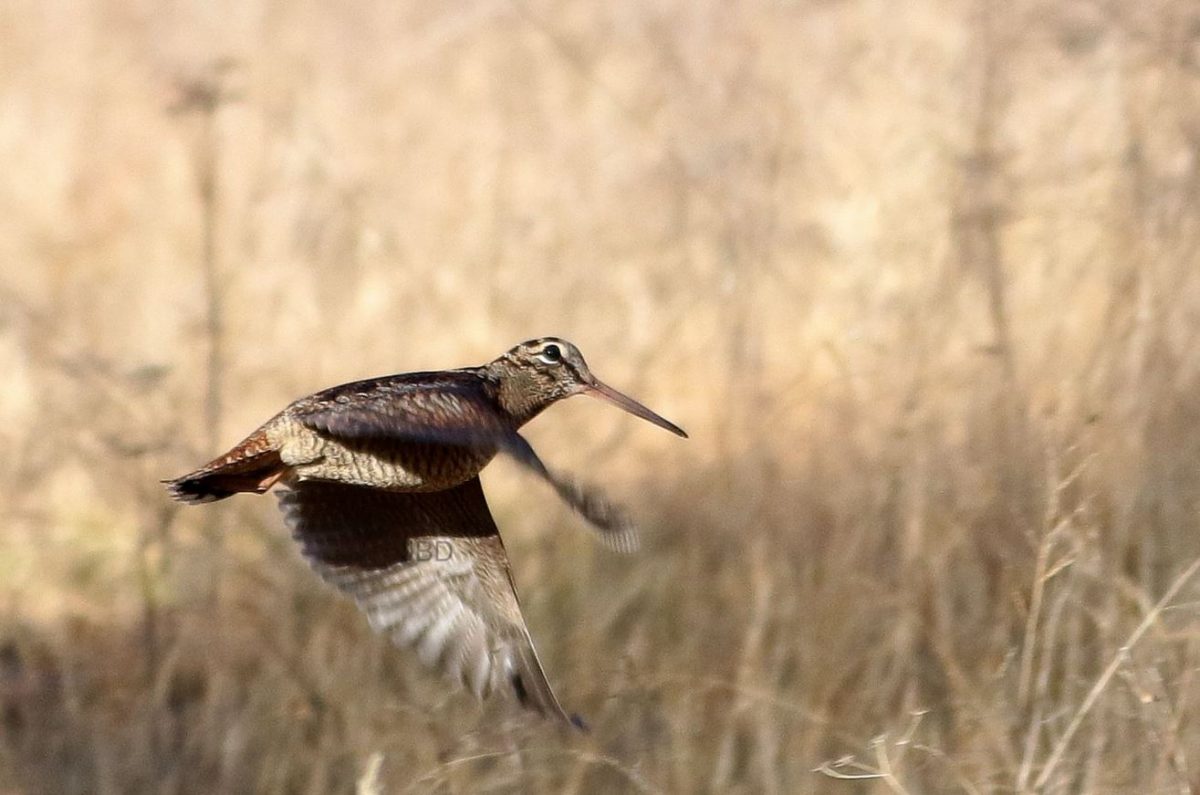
(462, 416)
(458, 412)
(429, 570)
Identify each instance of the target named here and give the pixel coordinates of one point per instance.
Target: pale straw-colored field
(921, 280)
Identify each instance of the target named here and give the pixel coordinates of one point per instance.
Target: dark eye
(551, 353)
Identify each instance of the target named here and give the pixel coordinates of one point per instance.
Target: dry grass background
(920, 278)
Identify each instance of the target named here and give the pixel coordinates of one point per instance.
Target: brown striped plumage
(380, 487)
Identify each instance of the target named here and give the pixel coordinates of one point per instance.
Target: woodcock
(379, 482)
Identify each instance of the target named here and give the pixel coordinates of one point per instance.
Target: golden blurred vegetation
(921, 279)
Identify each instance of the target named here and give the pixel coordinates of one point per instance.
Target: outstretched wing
(456, 413)
(429, 570)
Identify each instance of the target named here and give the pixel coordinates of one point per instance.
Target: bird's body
(380, 486)
(297, 436)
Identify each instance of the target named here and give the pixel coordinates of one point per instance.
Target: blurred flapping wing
(430, 571)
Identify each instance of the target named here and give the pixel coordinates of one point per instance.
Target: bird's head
(539, 372)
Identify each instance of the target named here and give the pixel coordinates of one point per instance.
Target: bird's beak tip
(627, 403)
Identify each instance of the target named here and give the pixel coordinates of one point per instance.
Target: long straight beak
(632, 406)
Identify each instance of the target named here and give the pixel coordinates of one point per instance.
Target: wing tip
(624, 539)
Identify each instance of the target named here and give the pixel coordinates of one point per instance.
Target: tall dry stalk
(203, 97)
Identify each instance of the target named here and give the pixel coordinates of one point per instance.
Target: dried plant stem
(635, 780)
(205, 95)
(1115, 664)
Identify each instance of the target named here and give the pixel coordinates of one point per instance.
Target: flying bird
(378, 481)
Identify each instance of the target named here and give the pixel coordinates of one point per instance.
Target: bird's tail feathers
(252, 466)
